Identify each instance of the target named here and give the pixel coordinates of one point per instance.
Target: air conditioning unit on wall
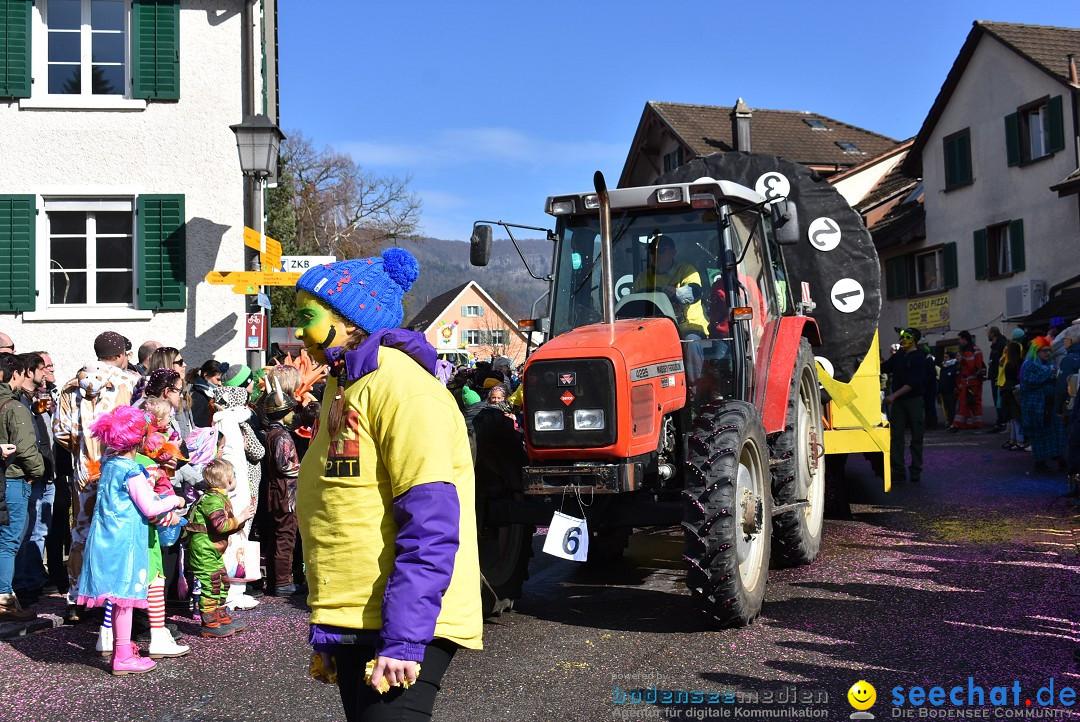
(1023, 299)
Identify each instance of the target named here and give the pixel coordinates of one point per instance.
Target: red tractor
(679, 386)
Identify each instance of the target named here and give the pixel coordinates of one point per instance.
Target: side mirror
(480, 245)
(785, 220)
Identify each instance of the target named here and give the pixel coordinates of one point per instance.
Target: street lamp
(258, 140)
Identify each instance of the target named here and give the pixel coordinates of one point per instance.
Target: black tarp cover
(836, 255)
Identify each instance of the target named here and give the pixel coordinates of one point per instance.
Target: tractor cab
(702, 255)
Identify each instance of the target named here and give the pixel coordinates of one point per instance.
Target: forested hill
(445, 265)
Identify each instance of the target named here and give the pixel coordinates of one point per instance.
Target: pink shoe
(126, 660)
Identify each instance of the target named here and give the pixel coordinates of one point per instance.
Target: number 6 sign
(567, 538)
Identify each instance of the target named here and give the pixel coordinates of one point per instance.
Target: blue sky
(491, 107)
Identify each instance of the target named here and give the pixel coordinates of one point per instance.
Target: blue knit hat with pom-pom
(366, 291)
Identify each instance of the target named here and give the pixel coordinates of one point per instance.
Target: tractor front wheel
(728, 513)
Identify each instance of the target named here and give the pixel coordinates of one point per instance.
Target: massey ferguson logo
(569, 379)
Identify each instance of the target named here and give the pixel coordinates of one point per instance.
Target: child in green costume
(210, 523)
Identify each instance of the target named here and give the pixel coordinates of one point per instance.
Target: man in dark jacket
(906, 411)
(16, 427)
(30, 578)
(947, 386)
(997, 347)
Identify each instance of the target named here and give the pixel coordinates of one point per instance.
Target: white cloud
(439, 200)
(484, 147)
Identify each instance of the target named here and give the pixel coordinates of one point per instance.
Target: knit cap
(469, 397)
(236, 375)
(109, 345)
(366, 291)
(1017, 334)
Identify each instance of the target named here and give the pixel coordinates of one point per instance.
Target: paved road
(972, 573)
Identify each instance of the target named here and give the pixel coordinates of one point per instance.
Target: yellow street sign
(247, 282)
(269, 249)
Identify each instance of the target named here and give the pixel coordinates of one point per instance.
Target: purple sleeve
(427, 518)
(146, 500)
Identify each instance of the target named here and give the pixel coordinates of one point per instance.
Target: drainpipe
(1074, 81)
(253, 210)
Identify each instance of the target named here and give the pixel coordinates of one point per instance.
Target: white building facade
(122, 185)
(1001, 133)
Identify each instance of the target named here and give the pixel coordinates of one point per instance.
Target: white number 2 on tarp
(567, 538)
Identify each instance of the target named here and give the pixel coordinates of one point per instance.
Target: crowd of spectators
(215, 431)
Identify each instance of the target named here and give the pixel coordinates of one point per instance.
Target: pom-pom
(384, 684)
(321, 671)
(401, 266)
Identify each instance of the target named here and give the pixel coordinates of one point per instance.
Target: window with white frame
(472, 311)
(1035, 132)
(91, 253)
(999, 261)
(473, 337)
(500, 337)
(87, 47)
(928, 271)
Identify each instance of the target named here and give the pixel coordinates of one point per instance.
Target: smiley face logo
(862, 695)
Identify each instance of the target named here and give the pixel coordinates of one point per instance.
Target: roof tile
(707, 129)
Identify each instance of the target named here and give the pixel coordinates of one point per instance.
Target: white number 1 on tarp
(567, 538)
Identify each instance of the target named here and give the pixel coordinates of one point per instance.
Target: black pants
(907, 413)
(58, 540)
(363, 704)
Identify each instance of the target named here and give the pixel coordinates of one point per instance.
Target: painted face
(320, 327)
(907, 341)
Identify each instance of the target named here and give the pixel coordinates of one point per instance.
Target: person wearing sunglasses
(907, 368)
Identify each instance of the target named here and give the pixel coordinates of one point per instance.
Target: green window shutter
(963, 157)
(15, 48)
(1012, 138)
(1057, 124)
(958, 160)
(896, 278)
(162, 253)
(952, 275)
(155, 49)
(950, 163)
(17, 248)
(980, 255)
(1016, 244)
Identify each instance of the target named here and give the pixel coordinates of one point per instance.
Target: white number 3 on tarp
(567, 538)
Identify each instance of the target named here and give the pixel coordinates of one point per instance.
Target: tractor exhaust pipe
(606, 271)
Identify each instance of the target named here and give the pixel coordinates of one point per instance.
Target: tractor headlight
(669, 195)
(588, 419)
(548, 421)
(562, 207)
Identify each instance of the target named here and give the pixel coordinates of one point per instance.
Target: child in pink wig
(116, 564)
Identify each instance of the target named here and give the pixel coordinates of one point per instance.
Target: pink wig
(123, 428)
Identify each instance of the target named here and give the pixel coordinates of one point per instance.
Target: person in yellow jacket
(676, 280)
(385, 497)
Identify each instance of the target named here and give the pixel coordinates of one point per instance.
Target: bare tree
(494, 334)
(342, 210)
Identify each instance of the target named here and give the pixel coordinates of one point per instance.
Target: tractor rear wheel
(728, 513)
(799, 470)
